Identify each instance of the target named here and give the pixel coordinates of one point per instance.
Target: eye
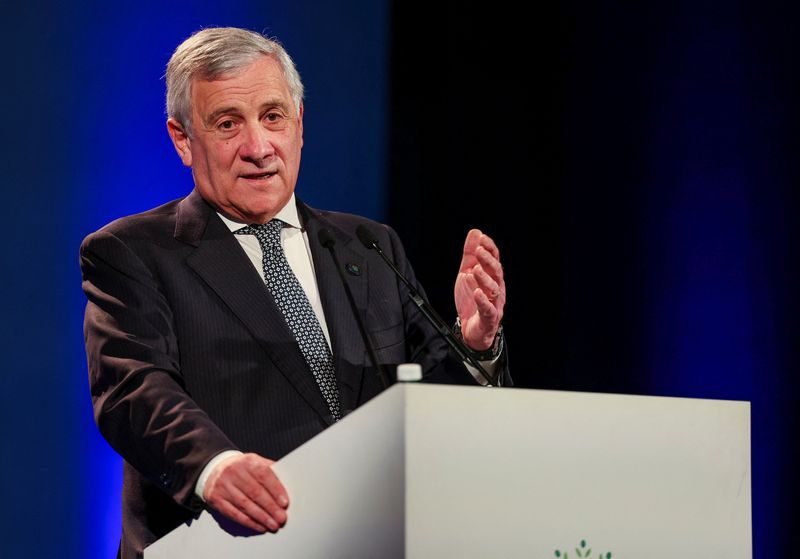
(227, 126)
(275, 120)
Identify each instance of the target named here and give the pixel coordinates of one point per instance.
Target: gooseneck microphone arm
(326, 239)
(371, 242)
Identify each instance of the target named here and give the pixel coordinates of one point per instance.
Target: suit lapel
(349, 353)
(217, 259)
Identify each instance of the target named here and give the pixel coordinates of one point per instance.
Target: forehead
(258, 82)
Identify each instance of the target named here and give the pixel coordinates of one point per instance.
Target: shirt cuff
(204, 475)
(491, 368)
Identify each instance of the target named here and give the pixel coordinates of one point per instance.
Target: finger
(237, 485)
(490, 263)
(271, 497)
(471, 281)
(481, 333)
(464, 300)
(237, 506)
(466, 284)
(230, 511)
(472, 241)
(270, 482)
(265, 504)
(471, 244)
(260, 484)
(488, 243)
(490, 287)
(487, 310)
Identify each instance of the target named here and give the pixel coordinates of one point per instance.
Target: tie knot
(268, 234)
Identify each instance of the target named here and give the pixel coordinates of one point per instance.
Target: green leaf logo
(582, 551)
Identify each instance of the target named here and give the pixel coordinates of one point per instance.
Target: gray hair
(216, 52)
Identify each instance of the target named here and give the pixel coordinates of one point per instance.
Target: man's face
(246, 139)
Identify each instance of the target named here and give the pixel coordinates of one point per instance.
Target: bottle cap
(409, 372)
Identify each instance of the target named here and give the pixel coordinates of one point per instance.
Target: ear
(300, 124)
(181, 141)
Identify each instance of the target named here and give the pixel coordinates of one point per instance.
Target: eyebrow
(219, 112)
(270, 103)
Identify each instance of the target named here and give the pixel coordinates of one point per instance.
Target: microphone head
(326, 238)
(366, 237)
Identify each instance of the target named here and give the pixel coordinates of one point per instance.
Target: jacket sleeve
(140, 403)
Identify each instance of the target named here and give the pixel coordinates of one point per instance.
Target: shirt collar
(288, 214)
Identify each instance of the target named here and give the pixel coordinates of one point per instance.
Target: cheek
(220, 166)
(224, 155)
(296, 151)
(218, 151)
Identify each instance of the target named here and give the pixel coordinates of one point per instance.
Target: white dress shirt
(294, 240)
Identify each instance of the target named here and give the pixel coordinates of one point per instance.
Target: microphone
(369, 240)
(326, 240)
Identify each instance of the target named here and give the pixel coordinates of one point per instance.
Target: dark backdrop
(635, 162)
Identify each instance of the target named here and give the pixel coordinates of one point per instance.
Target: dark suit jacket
(188, 355)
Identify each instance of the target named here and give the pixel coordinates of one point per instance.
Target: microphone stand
(371, 242)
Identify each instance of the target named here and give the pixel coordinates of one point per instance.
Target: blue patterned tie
(293, 304)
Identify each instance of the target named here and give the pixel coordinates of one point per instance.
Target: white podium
(431, 471)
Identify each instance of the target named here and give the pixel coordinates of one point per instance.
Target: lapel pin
(353, 269)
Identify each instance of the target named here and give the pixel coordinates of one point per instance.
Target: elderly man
(218, 331)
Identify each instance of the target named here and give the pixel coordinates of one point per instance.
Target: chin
(263, 211)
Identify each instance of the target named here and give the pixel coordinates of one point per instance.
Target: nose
(256, 145)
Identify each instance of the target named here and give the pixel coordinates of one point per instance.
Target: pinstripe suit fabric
(188, 355)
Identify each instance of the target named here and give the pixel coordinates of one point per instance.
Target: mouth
(258, 176)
